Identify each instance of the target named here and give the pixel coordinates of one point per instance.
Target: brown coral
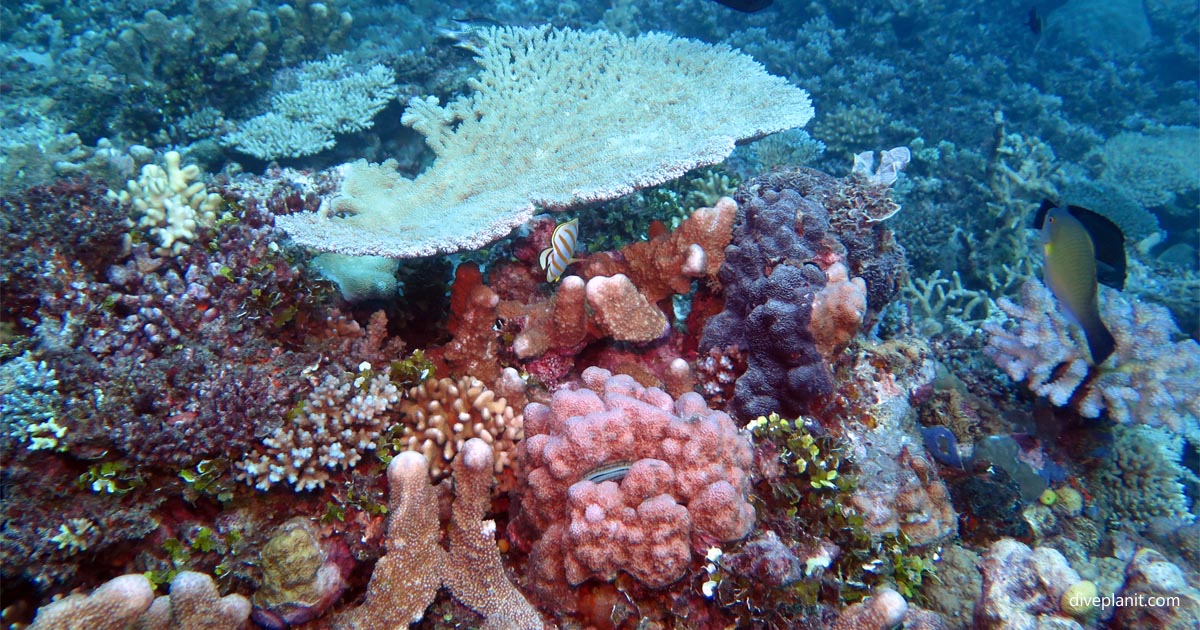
(406, 579)
(440, 415)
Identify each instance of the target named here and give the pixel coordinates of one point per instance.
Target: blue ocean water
(793, 368)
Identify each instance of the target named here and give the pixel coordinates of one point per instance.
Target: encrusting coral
(407, 578)
(620, 477)
(504, 148)
(113, 606)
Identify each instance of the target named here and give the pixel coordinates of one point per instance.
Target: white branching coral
(326, 98)
(555, 118)
(1151, 378)
(170, 202)
(337, 424)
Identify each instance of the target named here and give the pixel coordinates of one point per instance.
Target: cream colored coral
(170, 202)
(556, 118)
(440, 415)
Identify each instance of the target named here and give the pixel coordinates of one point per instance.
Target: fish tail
(1100, 341)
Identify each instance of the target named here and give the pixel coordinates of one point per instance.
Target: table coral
(407, 578)
(621, 477)
(508, 145)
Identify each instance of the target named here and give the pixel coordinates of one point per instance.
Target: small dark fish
(746, 6)
(1035, 21)
(943, 446)
(1107, 239)
(1070, 272)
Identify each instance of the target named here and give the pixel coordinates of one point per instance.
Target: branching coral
(170, 203)
(1150, 378)
(341, 420)
(440, 415)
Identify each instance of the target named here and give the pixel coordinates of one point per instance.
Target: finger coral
(620, 477)
(407, 578)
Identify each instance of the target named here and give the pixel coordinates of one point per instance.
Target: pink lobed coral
(621, 477)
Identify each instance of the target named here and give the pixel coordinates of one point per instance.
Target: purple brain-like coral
(683, 486)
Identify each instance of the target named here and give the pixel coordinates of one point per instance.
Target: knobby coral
(620, 477)
(632, 104)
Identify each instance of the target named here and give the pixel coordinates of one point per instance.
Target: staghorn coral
(619, 477)
(327, 98)
(407, 578)
(464, 201)
(440, 415)
(339, 422)
(1149, 379)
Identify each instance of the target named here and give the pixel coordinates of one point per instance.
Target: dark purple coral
(792, 225)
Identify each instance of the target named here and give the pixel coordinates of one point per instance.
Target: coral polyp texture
(407, 578)
(1150, 377)
(556, 118)
(128, 602)
(809, 263)
(440, 415)
(621, 477)
(339, 422)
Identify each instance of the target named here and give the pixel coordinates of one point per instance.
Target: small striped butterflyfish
(560, 254)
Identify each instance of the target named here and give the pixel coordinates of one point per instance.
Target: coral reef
(405, 581)
(881, 611)
(1142, 478)
(128, 602)
(339, 422)
(1149, 378)
(1023, 587)
(546, 162)
(439, 415)
(1156, 594)
(300, 579)
(195, 604)
(113, 606)
(170, 204)
(72, 220)
(793, 228)
(620, 477)
(328, 98)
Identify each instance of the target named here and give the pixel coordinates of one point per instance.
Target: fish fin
(1040, 217)
(1101, 343)
(1109, 242)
